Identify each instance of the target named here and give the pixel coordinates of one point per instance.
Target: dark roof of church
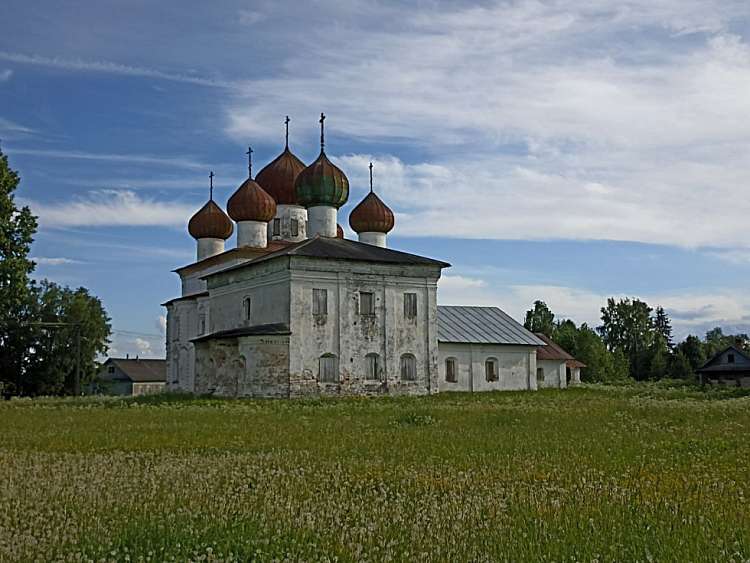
(341, 249)
(233, 254)
(481, 325)
(275, 329)
(141, 371)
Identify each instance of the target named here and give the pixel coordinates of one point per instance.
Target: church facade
(296, 310)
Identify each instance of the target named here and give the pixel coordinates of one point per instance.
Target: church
(297, 310)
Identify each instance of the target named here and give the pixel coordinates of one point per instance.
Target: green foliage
(680, 367)
(34, 358)
(52, 366)
(643, 472)
(540, 319)
(693, 350)
(17, 228)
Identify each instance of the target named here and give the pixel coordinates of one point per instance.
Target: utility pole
(77, 384)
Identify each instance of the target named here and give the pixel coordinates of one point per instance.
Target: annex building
(295, 309)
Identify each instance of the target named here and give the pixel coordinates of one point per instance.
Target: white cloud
(250, 17)
(161, 324)
(7, 126)
(5, 75)
(44, 261)
(109, 67)
(178, 162)
(692, 312)
(112, 208)
(580, 120)
(143, 347)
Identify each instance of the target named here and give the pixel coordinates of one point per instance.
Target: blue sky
(567, 150)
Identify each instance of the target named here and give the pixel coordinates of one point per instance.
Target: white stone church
(295, 309)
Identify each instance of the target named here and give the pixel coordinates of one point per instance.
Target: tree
(663, 326)
(56, 350)
(693, 350)
(627, 327)
(680, 367)
(540, 319)
(17, 228)
(586, 345)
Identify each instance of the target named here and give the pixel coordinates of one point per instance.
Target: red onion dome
(339, 231)
(251, 203)
(278, 177)
(210, 222)
(371, 216)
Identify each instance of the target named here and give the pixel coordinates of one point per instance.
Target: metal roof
(339, 249)
(481, 325)
(141, 371)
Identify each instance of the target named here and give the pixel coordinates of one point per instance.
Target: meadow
(639, 473)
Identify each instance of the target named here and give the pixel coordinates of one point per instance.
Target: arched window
(247, 308)
(328, 369)
(451, 366)
(372, 367)
(490, 370)
(408, 367)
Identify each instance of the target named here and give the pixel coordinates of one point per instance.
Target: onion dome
(210, 221)
(371, 215)
(322, 183)
(278, 177)
(339, 231)
(251, 202)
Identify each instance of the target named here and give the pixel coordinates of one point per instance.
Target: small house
(131, 377)
(729, 367)
(554, 366)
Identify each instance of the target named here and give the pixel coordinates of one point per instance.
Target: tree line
(633, 342)
(49, 334)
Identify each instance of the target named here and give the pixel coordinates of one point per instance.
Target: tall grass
(640, 473)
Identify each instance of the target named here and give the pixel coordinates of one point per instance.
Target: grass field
(589, 474)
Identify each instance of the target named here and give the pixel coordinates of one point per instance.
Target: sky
(567, 150)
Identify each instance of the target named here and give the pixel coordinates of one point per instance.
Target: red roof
(553, 351)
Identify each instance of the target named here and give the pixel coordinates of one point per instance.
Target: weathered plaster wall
(351, 336)
(516, 366)
(251, 366)
(287, 213)
(555, 374)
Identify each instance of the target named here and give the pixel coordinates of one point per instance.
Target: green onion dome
(251, 203)
(210, 222)
(322, 183)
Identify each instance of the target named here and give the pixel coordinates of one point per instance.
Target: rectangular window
(320, 302)
(730, 358)
(247, 308)
(329, 369)
(295, 227)
(408, 367)
(366, 303)
(111, 369)
(410, 305)
(203, 323)
(277, 227)
(371, 367)
(450, 370)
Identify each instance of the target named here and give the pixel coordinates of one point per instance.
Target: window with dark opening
(450, 370)
(372, 367)
(730, 358)
(320, 301)
(490, 370)
(410, 305)
(295, 227)
(366, 303)
(408, 367)
(276, 227)
(329, 368)
(247, 308)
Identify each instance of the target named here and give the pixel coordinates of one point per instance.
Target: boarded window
(450, 370)
(276, 227)
(540, 375)
(408, 367)
(295, 227)
(366, 303)
(372, 367)
(410, 305)
(247, 306)
(490, 370)
(320, 301)
(329, 368)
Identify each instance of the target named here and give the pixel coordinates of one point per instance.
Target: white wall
(516, 366)
(287, 213)
(554, 373)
